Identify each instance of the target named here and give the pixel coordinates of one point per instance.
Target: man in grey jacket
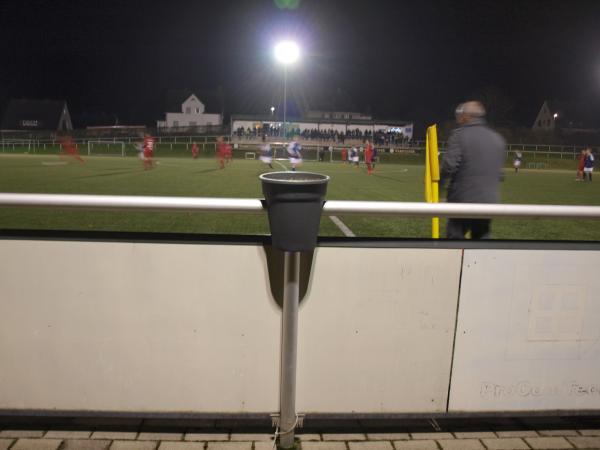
(473, 165)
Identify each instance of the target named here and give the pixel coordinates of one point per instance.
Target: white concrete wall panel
(376, 330)
(192, 328)
(136, 327)
(528, 334)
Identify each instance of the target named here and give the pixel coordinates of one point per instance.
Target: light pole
(286, 53)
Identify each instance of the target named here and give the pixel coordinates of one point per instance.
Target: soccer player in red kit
(68, 147)
(581, 166)
(148, 152)
(344, 155)
(194, 150)
(369, 158)
(228, 153)
(221, 152)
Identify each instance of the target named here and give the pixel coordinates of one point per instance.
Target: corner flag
(432, 176)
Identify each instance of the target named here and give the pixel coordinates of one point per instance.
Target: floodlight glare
(287, 52)
(555, 116)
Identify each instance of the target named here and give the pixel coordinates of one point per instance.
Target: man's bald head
(468, 111)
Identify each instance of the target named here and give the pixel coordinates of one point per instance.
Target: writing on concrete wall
(531, 389)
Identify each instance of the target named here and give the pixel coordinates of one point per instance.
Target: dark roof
(33, 114)
(211, 100)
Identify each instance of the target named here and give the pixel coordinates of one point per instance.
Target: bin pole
(289, 349)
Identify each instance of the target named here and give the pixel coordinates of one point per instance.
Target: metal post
(289, 349)
(284, 101)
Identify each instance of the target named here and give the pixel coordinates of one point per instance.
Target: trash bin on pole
(294, 204)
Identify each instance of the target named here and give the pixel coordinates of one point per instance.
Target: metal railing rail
(332, 207)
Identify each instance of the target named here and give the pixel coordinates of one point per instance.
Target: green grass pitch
(177, 176)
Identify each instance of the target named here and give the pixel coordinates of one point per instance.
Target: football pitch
(201, 178)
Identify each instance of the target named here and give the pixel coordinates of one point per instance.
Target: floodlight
(555, 116)
(287, 52)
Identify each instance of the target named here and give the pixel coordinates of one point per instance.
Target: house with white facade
(192, 115)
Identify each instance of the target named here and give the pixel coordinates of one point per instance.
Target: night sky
(411, 60)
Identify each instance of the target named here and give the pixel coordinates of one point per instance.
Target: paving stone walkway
(90, 439)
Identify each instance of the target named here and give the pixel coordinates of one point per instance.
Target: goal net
(106, 148)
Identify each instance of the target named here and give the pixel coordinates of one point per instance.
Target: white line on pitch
(342, 226)
(277, 162)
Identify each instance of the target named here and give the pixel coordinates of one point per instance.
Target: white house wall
(191, 120)
(193, 103)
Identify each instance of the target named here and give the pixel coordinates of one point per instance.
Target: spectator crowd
(379, 137)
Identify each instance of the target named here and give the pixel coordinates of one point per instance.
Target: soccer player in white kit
(266, 154)
(294, 152)
(517, 161)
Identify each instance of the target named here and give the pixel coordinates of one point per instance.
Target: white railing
(332, 207)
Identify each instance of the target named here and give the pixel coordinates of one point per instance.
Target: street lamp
(286, 53)
(272, 110)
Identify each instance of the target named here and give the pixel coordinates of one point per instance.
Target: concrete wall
(376, 330)
(174, 327)
(528, 335)
(136, 327)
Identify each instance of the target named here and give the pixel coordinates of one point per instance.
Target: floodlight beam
(287, 52)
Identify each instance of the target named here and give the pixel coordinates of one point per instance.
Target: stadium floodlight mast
(286, 53)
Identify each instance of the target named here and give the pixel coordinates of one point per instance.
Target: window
(197, 110)
(176, 123)
(188, 110)
(193, 123)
